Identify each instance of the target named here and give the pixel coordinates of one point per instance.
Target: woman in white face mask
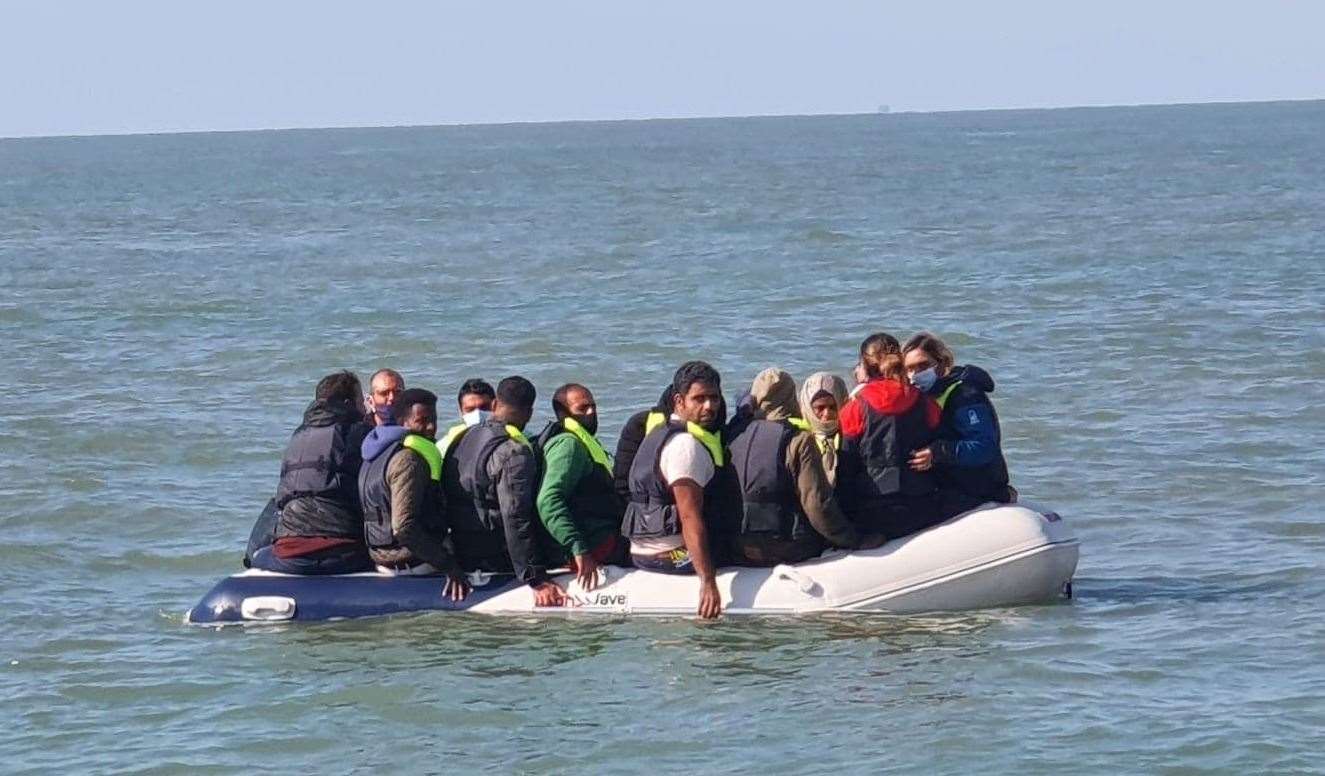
(967, 456)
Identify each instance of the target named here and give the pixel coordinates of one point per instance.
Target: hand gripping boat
(991, 557)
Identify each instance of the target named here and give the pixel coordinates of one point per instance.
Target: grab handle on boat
(479, 578)
(803, 581)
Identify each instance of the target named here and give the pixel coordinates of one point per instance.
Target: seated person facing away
(402, 498)
(490, 476)
(670, 479)
(319, 525)
(475, 400)
(821, 398)
(577, 501)
(882, 427)
(967, 457)
(632, 434)
(787, 510)
(384, 386)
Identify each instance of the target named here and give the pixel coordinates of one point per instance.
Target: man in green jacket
(577, 501)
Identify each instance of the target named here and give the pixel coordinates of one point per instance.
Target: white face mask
(475, 417)
(925, 379)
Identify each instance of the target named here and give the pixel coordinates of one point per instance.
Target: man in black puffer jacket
(319, 523)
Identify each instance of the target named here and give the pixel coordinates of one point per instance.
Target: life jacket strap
(596, 451)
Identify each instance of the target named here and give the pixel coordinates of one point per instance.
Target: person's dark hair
(559, 406)
(692, 372)
(517, 392)
(339, 386)
(408, 398)
(393, 374)
(665, 401)
(477, 386)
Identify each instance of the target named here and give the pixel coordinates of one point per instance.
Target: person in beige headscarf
(787, 510)
(821, 396)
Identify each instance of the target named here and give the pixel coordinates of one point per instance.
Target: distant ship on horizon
(885, 109)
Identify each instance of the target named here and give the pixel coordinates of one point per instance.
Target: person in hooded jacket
(787, 512)
(318, 523)
(632, 435)
(822, 396)
(886, 422)
(967, 456)
(400, 488)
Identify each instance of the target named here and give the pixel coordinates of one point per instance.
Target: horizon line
(900, 112)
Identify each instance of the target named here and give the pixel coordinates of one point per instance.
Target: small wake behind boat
(1001, 555)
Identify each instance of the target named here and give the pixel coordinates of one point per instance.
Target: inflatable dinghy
(996, 556)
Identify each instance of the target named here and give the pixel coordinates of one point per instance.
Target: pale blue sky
(90, 67)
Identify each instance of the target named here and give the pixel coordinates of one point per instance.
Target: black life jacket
(595, 498)
(318, 494)
(376, 494)
(651, 513)
(770, 502)
(478, 511)
(882, 471)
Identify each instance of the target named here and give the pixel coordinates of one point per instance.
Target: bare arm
(690, 509)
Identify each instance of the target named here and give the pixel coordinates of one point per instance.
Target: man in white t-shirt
(665, 519)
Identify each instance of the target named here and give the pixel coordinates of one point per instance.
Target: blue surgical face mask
(925, 379)
(475, 417)
(384, 415)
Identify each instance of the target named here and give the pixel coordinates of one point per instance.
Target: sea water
(1146, 286)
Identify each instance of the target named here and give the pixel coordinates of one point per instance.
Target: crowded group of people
(368, 484)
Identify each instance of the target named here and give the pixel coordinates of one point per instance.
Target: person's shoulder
(968, 393)
(974, 378)
(406, 461)
(802, 445)
(512, 451)
(635, 425)
(680, 439)
(356, 432)
(799, 436)
(561, 444)
(684, 449)
(851, 418)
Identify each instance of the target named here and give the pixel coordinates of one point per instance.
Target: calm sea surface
(1146, 285)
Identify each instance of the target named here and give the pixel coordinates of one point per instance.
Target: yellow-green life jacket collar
(596, 451)
(710, 440)
(943, 397)
(428, 449)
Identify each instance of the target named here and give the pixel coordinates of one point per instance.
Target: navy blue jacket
(968, 454)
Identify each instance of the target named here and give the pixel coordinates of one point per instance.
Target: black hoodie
(632, 434)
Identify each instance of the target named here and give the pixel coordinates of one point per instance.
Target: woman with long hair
(883, 426)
